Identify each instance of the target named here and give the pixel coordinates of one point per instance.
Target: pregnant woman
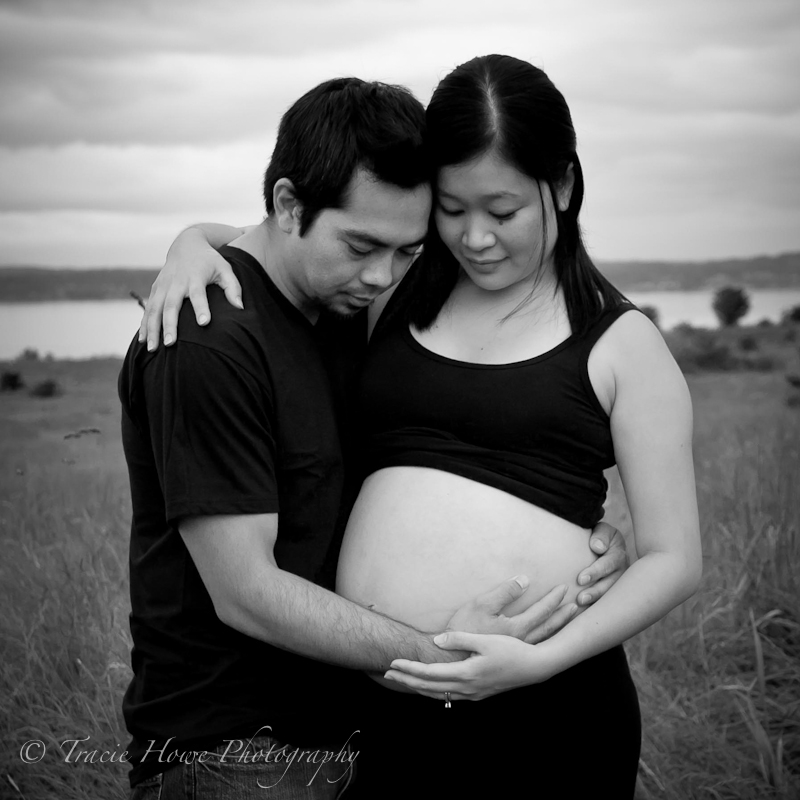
(503, 376)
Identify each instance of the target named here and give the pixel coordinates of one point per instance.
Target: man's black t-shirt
(236, 418)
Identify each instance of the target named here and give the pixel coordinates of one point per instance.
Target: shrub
(759, 363)
(698, 350)
(28, 354)
(47, 388)
(730, 305)
(748, 343)
(792, 315)
(10, 382)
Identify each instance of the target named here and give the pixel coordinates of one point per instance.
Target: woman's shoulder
(604, 320)
(627, 327)
(634, 354)
(629, 349)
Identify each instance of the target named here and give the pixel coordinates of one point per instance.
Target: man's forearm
(294, 614)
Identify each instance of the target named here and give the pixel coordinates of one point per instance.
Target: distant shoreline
(31, 284)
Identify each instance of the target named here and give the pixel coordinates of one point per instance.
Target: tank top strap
(606, 320)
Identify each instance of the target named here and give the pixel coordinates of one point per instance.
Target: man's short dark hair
(339, 126)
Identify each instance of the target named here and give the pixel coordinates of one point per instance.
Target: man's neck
(265, 245)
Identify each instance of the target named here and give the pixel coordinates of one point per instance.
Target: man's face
(352, 254)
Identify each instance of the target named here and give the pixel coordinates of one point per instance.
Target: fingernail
(238, 303)
(583, 580)
(141, 338)
(573, 610)
(522, 580)
(168, 339)
(584, 599)
(599, 545)
(151, 346)
(202, 319)
(440, 639)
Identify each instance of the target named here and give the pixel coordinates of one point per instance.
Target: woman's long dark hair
(501, 103)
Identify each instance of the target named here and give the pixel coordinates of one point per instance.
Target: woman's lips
(483, 264)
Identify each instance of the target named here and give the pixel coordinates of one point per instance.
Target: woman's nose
(477, 235)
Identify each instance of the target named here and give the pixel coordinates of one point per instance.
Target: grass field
(719, 679)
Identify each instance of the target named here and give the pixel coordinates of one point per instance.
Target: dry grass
(719, 679)
(64, 518)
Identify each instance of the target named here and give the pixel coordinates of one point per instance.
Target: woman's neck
(498, 327)
(538, 298)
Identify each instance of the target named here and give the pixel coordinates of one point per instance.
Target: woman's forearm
(214, 234)
(646, 592)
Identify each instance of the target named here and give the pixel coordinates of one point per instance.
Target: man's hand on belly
(608, 543)
(484, 614)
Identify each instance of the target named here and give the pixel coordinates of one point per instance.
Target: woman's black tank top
(533, 428)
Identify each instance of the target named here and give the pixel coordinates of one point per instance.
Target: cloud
(196, 72)
(135, 178)
(94, 238)
(688, 114)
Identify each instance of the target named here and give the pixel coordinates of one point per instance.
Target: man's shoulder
(253, 336)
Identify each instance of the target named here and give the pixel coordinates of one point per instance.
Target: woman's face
(493, 218)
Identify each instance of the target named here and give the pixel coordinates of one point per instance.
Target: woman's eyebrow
(491, 196)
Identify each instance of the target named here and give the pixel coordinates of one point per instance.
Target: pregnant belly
(422, 542)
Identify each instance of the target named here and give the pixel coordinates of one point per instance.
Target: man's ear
(564, 189)
(288, 209)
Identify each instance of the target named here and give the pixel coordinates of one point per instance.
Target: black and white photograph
(399, 399)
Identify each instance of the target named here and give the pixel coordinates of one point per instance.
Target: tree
(791, 315)
(730, 304)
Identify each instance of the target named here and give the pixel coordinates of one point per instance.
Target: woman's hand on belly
(486, 613)
(497, 664)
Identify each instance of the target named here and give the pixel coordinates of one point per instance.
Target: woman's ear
(564, 188)
(288, 209)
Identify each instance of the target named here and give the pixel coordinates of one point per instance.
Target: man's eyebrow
(365, 238)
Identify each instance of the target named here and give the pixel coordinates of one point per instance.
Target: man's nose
(379, 272)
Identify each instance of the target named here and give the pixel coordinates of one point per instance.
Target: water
(695, 307)
(87, 328)
(69, 328)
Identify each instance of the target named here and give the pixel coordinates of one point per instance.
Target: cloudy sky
(121, 121)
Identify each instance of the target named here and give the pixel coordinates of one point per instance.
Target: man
(233, 446)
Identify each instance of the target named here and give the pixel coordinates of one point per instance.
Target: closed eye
(503, 217)
(357, 252)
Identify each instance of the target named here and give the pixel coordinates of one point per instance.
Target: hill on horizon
(26, 284)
